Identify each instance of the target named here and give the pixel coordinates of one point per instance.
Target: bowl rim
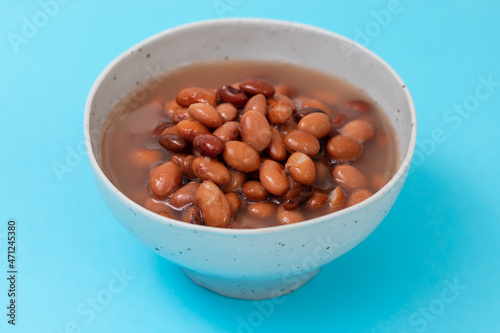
(401, 172)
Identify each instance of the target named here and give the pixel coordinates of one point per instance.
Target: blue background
(443, 230)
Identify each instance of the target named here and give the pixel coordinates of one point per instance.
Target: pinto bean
(185, 195)
(191, 95)
(207, 168)
(145, 157)
(236, 181)
(234, 201)
(193, 216)
(185, 163)
(256, 103)
(301, 141)
(344, 148)
(254, 191)
(229, 131)
(262, 209)
(240, 156)
(357, 196)
(316, 123)
(273, 178)
(349, 177)
(227, 112)
(255, 130)
(336, 199)
(254, 86)
(289, 216)
(301, 168)
(359, 130)
(164, 179)
(205, 114)
(276, 148)
(213, 204)
(188, 129)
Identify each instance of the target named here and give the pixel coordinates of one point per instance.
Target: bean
(350, 177)
(188, 129)
(180, 114)
(191, 95)
(170, 107)
(236, 182)
(227, 112)
(207, 168)
(301, 168)
(257, 86)
(255, 130)
(208, 145)
(344, 148)
(279, 112)
(336, 199)
(357, 196)
(193, 216)
(377, 181)
(234, 201)
(287, 127)
(285, 89)
(284, 99)
(359, 130)
(262, 209)
(165, 214)
(229, 131)
(164, 179)
(276, 148)
(254, 191)
(173, 143)
(315, 123)
(358, 106)
(213, 204)
(205, 114)
(338, 119)
(289, 216)
(321, 173)
(185, 163)
(185, 195)
(256, 103)
(318, 199)
(170, 130)
(297, 195)
(301, 141)
(161, 127)
(314, 103)
(302, 112)
(232, 95)
(273, 178)
(146, 157)
(240, 156)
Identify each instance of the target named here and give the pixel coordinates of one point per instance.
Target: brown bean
(208, 145)
(349, 177)
(232, 95)
(185, 195)
(205, 114)
(229, 131)
(301, 168)
(213, 204)
(227, 112)
(359, 130)
(185, 163)
(188, 129)
(289, 216)
(344, 148)
(276, 148)
(165, 214)
(273, 178)
(172, 142)
(234, 201)
(170, 107)
(297, 195)
(285, 89)
(161, 127)
(262, 209)
(314, 103)
(254, 191)
(170, 130)
(254, 86)
(302, 112)
(256, 103)
(207, 168)
(301, 141)
(284, 99)
(164, 179)
(321, 173)
(336, 199)
(279, 112)
(358, 106)
(193, 216)
(191, 95)
(236, 182)
(357, 196)
(145, 157)
(255, 130)
(318, 199)
(180, 114)
(315, 123)
(240, 156)
(287, 127)
(377, 181)
(338, 120)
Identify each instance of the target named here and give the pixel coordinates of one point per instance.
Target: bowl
(255, 263)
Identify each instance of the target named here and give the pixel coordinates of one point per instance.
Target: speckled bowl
(258, 263)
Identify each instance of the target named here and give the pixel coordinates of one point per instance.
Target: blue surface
(443, 230)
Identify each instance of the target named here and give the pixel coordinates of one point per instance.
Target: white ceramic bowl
(258, 263)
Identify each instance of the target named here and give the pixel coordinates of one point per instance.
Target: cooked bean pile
(254, 149)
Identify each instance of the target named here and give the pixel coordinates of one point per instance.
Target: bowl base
(251, 289)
